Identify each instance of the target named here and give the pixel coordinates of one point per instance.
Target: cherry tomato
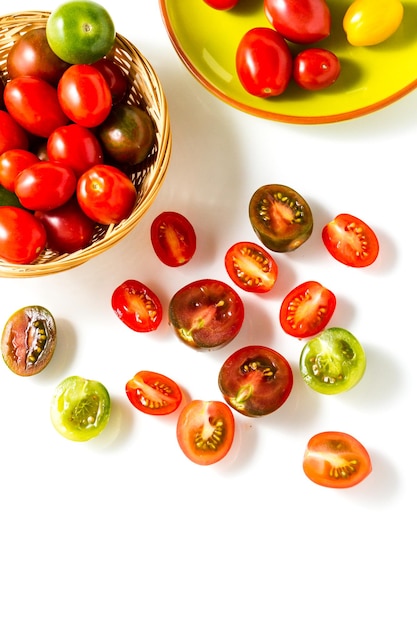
(106, 194)
(370, 22)
(255, 380)
(335, 459)
(206, 314)
(221, 5)
(75, 146)
(299, 21)
(127, 134)
(137, 306)
(153, 393)
(84, 95)
(80, 31)
(205, 431)
(251, 267)
(351, 241)
(1, 91)
(307, 309)
(80, 408)
(12, 135)
(45, 185)
(68, 228)
(280, 217)
(22, 236)
(173, 238)
(332, 362)
(12, 162)
(115, 78)
(316, 68)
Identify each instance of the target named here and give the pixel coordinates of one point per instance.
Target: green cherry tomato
(332, 362)
(80, 408)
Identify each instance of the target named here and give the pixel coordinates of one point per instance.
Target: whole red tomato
(22, 236)
(316, 68)
(75, 146)
(299, 21)
(68, 228)
(45, 185)
(12, 162)
(12, 135)
(221, 5)
(116, 79)
(84, 95)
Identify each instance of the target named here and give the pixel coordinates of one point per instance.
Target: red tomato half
(12, 135)
(22, 236)
(205, 431)
(12, 162)
(173, 238)
(45, 185)
(299, 21)
(153, 393)
(351, 241)
(84, 95)
(74, 146)
(307, 309)
(334, 459)
(251, 267)
(137, 306)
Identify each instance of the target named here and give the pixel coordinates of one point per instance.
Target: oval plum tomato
(351, 241)
(299, 21)
(80, 31)
(153, 393)
(22, 236)
(137, 306)
(335, 459)
(255, 380)
(280, 217)
(68, 228)
(115, 77)
(173, 238)
(75, 146)
(12, 162)
(332, 362)
(221, 5)
(106, 194)
(127, 134)
(251, 267)
(80, 408)
(12, 135)
(84, 95)
(206, 314)
(263, 62)
(307, 309)
(370, 22)
(316, 68)
(28, 340)
(205, 431)
(45, 185)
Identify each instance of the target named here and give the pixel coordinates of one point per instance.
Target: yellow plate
(371, 77)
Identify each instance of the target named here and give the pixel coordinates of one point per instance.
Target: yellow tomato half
(369, 22)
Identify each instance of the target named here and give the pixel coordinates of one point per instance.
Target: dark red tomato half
(205, 431)
(68, 228)
(206, 314)
(251, 267)
(84, 95)
(75, 146)
(351, 241)
(137, 306)
(45, 185)
(255, 380)
(22, 236)
(115, 77)
(299, 21)
(173, 238)
(12, 135)
(316, 68)
(12, 162)
(307, 309)
(153, 393)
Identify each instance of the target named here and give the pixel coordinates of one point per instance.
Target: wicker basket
(145, 91)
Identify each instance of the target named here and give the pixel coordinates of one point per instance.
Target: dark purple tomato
(68, 228)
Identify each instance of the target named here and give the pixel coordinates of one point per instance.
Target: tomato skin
(205, 431)
(350, 241)
(115, 78)
(221, 5)
(173, 238)
(12, 135)
(84, 95)
(22, 236)
(263, 62)
(137, 306)
(153, 393)
(45, 185)
(74, 146)
(251, 267)
(67, 227)
(12, 162)
(316, 68)
(307, 309)
(336, 460)
(127, 134)
(370, 22)
(299, 21)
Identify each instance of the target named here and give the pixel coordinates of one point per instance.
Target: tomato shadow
(381, 485)
(244, 446)
(65, 351)
(119, 429)
(247, 7)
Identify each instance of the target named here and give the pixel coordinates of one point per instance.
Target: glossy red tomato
(173, 238)
(45, 185)
(75, 146)
(251, 267)
(68, 228)
(137, 306)
(205, 431)
(106, 194)
(351, 241)
(307, 309)
(12, 162)
(299, 21)
(316, 68)
(22, 236)
(263, 62)
(153, 393)
(12, 135)
(221, 5)
(115, 77)
(84, 95)
(335, 459)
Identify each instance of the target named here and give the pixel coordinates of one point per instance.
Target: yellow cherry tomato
(369, 22)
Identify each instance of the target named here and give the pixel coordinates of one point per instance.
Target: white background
(125, 529)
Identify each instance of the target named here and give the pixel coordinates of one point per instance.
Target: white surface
(125, 530)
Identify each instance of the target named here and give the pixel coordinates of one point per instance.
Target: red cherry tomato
(299, 21)
(22, 236)
(84, 95)
(12, 162)
(316, 68)
(12, 135)
(68, 228)
(205, 431)
(115, 78)
(173, 238)
(153, 393)
(45, 185)
(307, 309)
(75, 146)
(137, 306)
(351, 241)
(263, 62)
(251, 267)
(221, 5)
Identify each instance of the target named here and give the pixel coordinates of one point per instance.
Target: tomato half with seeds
(307, 309)
(137, 306)
(173, 238)
(251, 267)
(335, 459)
(332, 362)
(205, 431)
(280, 217)
(351, 241)
(255, 380)
(153, 393)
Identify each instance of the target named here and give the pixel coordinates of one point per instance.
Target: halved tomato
(153, 393)
(251, 267)
(173, 238)
(351, 241)
(137, 306)
(307, 309)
